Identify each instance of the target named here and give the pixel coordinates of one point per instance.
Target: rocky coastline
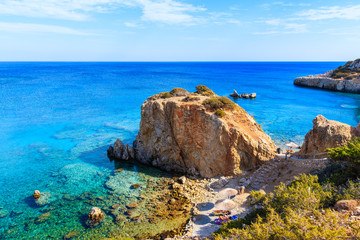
(343, 79)
(340, 85)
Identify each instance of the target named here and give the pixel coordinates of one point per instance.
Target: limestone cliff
(328, 134)
(196, 134)
(343, 79)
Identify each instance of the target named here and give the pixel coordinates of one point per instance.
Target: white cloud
(282, 26)
(335, 12)
(166, 11)
(38, 28)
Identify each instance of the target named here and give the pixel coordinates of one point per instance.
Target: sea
(57, 120)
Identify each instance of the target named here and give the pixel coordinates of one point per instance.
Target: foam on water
(57, 120)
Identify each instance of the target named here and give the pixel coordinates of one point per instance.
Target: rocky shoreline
(342, 79)
(340, 85)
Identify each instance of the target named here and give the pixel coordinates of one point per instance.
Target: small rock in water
(36, 194)
(132, 205)
(115, 206)
(245, 95)
(252, 95)
(95, 217)
(71, 235)
(135, 186)
(3, 213)
(235, 94)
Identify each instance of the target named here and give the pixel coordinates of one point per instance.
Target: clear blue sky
(179, 30)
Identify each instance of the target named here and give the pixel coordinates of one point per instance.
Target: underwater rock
(3, 213)
(44, 199)
(43, 218)
(135, 186)
(116, 205)
(76, 178)
(95, 217)
(132, 205)
(36, 194)
(72, 234)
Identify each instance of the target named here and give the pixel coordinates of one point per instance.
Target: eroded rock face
(328, 134)
(186, 137)
(120, 151)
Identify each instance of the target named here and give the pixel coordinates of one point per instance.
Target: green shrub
(220, 103)
(220, 113)
(179, 92)
(204, 90)
(295, 212)
(349, 153)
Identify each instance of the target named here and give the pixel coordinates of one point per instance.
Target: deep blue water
(55, 115)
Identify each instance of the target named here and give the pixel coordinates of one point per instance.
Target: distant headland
(343, 79)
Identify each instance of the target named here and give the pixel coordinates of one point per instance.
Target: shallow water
(57, 120)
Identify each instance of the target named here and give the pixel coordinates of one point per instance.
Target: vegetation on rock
(216, 103)
(349, 153)
(204, 90)
(179, 92)
(347, 71)
(220, 113)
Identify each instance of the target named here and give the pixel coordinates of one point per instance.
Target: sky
(179, 30)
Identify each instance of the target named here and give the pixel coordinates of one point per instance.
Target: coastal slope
(199, 134)
(343, 79)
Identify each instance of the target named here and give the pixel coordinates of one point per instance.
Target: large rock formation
(328, 134)
(185, 135)
(344, 79)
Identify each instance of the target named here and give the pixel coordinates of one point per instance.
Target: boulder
(235, 94)
(95, 217)
(245, 95)
(187, 137)
(220, 183)
(120, 151)
(44, 199)
(241, 190)
(327, 134)
(347, 205)
(37, 194)
(182, 180)
(252, 95)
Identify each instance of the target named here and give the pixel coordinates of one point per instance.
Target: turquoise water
(57, 120)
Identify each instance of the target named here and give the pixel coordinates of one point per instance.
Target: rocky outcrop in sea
(343, 79)
(328, 134)
(198, 134)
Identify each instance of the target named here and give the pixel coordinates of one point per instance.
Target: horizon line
(163, 61)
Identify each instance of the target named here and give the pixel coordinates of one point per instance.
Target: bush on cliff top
(349, 153)
(204, 90)
(346, 72)
(220, 103)
(220, 113)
